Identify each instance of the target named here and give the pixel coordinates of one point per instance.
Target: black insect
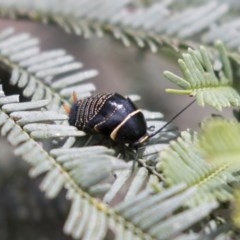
(112, 115)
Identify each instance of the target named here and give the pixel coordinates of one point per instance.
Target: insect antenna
(170, 121)
(136, 145)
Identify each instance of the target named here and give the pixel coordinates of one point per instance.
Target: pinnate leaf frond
(219, 143)
(64, 167)
(68, 166)
(90, 168)
(184, 160)
(236, 210)
(214, 88)
(159, 24)
(51, 75)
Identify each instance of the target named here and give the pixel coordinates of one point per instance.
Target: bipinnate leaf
(201, 80)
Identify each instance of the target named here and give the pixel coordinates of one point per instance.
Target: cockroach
(114, 116)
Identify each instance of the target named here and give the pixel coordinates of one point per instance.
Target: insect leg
(135, 158)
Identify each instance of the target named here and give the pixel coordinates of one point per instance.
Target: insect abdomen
(111, 115)
(85, 109)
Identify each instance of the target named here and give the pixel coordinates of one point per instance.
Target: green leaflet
(219, 143)
(236, 210)
(201, 81)
(198, 160)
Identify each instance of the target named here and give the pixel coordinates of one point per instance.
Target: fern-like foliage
(236, 210)
(106, 197)
(209, 160)
(156, 25)
(53, 76)
(182, 161)
(219, 143)
(215, 88)
(25, 123)
(153, 26)
(41, 74)
(67, 164)
(227, 32)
